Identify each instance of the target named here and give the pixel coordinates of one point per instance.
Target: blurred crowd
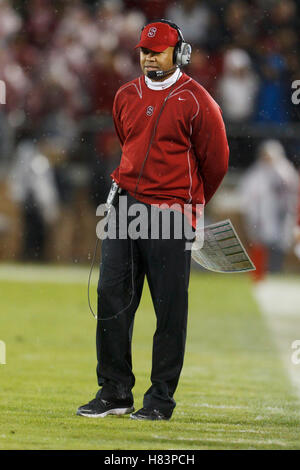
(63, 60)
(269, 193)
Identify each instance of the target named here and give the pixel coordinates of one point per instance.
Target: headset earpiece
(183, 54)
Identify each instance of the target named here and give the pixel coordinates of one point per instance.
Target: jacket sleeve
(117, 118)
(210, 145)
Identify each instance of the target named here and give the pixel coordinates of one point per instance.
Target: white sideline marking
(279, 300)
(221, 407)
(45, 273)
(222, 440)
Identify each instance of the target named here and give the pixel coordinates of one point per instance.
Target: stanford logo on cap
(152, 32)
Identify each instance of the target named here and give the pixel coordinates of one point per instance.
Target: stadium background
(62, 62)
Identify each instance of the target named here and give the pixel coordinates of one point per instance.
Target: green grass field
(233, 393)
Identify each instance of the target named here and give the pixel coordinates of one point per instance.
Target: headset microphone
(159, 73)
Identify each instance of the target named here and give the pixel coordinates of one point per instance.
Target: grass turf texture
(233, 392)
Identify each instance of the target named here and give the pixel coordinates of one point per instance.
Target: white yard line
(44, 273)
(279, 301)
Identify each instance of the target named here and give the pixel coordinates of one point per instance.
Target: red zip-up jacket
(178, 154)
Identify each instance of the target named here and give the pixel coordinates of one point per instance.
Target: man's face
(151, 60)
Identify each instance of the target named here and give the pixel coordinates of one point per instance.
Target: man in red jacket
(174, 151)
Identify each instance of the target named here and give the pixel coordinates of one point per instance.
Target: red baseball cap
(158, 37)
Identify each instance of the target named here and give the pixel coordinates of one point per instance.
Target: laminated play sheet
(222, 250)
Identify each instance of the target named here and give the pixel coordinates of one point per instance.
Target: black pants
(124, 265)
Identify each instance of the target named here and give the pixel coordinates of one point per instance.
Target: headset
(182, 50)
